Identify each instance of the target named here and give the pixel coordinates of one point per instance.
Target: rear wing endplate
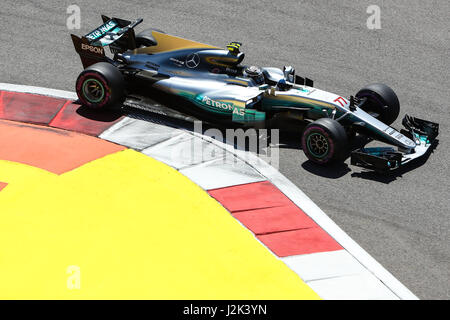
(116, 33)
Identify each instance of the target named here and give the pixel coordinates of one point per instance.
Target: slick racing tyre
(381, 100)
(145, 38)
(325, 141)
(100, 85)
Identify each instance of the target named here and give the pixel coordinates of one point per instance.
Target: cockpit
(254, 73)
(229, 62)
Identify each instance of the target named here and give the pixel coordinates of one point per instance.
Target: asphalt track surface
(402, 220)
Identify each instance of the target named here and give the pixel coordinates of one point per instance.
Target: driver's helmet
(254, 73)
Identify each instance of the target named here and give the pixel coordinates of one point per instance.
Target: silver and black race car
(214, 82)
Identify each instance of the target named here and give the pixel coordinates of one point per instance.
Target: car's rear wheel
(381, 101)
(325, 141)
(100, 85)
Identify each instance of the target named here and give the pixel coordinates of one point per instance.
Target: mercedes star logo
(192, 60)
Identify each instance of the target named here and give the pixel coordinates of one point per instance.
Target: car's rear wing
(116, 33)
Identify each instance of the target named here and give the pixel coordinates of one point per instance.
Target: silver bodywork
(212, 80)
(172, 75)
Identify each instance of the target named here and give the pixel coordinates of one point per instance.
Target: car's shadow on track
(98, 115)
(291, 140)
(334, 171)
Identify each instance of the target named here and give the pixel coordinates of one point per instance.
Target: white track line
(38, 90)
(285, 186)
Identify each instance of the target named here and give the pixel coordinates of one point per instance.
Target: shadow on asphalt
(335, 171)
(100, 115)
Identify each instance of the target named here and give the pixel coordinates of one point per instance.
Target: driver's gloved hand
(282, 85)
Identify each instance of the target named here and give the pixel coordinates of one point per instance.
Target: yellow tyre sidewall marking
(135, 229)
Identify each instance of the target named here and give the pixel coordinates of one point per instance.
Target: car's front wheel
(381, 101)
(100, 85)
(325, 141)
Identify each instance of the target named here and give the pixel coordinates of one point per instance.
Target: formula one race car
(213, 81)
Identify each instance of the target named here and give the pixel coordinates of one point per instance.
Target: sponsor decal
(192, 60)
(178, 62)
(97, 33)
(239, 111)
(231, 71)
(392, 132)
(94, 49)
(152, 65)
(399, 136)
(216, 104)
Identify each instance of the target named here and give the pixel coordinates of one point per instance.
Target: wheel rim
(317, 145)
(93, 90)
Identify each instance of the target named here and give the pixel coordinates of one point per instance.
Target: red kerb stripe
(275, 220)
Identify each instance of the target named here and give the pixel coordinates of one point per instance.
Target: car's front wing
(422, 132)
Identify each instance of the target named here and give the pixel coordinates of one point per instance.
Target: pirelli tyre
(100, 85)
(382, 101)
(325, 141)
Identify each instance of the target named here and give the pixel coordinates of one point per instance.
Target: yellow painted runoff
(128, 227)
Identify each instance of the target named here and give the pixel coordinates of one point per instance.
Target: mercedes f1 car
(214, 81)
